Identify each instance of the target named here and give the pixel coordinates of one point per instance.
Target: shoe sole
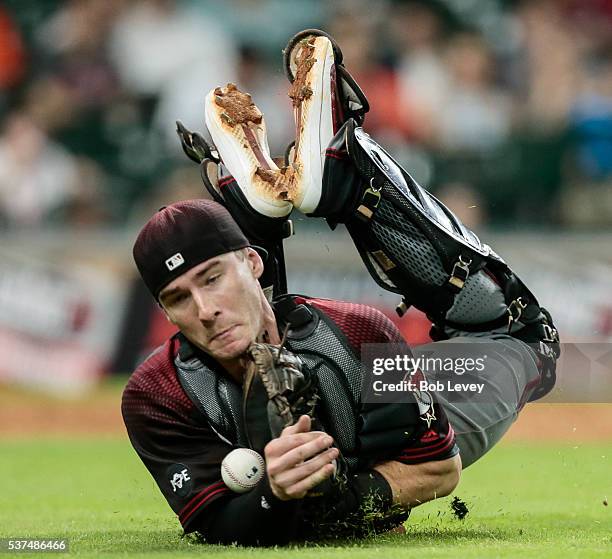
(311, 93)
(238, 130)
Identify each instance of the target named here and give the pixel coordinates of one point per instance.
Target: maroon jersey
(184, 454)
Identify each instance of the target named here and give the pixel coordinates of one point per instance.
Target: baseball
(242, 469)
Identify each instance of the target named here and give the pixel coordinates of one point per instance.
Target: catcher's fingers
(302, 425)
(300, 453)
(289, 439)
(277, 447)
(299, 490)
(303, 471)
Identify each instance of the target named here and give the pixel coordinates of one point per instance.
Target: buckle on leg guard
(369, 200)
(460, 273)
(402, 307)
(515, 311)
(549, 334)
(288, 229)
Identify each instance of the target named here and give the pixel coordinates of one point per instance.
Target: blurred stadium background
(502, 108)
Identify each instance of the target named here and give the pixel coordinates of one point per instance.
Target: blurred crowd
(502, 108)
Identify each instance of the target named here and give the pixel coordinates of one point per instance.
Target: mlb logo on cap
(175, 261)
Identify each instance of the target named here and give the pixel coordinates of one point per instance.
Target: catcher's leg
(324, 95)
(511, 376)
(413, 245)
(409, 241)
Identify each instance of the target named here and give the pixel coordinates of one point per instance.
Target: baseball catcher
(254, 367)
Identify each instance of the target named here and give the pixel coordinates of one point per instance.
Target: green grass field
(525, 501)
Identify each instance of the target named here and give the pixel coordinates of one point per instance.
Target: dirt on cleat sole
(242, 117)
(239, 107)
(305, 60)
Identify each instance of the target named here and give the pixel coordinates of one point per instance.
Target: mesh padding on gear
(335, 366)
(480, 300)
(407, 246)
(339, 375)
(361, 324)
(218, 397)
(410, 195)
(340, 416)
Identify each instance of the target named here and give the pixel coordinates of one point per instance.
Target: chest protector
(325, 354)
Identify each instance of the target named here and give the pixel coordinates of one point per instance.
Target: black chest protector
(325, 353)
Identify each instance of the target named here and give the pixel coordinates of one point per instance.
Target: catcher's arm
(415, 484)
(300, 459)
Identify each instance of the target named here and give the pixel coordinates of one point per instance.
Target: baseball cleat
(348, 100)
(311, 94)
(324, 96)
(238, 130)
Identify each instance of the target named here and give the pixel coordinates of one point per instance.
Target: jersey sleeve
(434, 438)
(182, 455)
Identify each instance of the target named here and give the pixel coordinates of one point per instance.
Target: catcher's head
(199, 266)
(180, 236)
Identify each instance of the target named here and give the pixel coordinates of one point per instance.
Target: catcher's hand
(300, 460)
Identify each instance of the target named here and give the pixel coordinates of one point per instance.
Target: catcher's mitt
(275, 393)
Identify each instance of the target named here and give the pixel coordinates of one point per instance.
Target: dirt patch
(563, 422)
(305, 60)
(31, 414)
(99, 414)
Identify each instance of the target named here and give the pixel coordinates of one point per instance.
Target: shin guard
(414, 246)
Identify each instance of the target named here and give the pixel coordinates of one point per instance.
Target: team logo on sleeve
(179, 479)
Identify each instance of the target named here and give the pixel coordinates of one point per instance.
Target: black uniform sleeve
(254, 518)
(184, 455)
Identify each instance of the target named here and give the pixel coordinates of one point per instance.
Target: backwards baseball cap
(181, 236)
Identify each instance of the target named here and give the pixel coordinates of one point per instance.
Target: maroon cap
(181, 236)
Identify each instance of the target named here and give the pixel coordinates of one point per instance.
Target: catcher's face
(218, 304)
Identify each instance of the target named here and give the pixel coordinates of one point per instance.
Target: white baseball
(242, 469)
